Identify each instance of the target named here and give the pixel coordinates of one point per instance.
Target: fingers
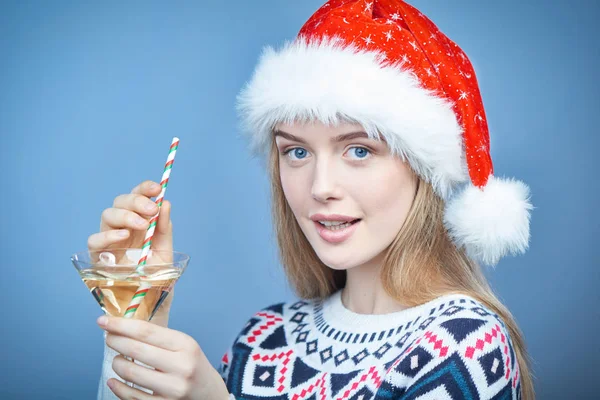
(122, 391)
(137, 203)
(145, 332)
(157, 381)
(103, 240)
(164, 225)
(161, 359)
(147, 188)
(163, 235)
(118, 218)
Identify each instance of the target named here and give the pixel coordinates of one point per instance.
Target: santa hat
(386, 66)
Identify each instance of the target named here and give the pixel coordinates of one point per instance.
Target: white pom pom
(490, 222)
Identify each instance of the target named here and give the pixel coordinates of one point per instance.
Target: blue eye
(297, 152)
(360, 152)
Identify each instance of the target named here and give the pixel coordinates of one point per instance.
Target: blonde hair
(421, 263)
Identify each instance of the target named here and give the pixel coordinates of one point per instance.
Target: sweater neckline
(335, 314)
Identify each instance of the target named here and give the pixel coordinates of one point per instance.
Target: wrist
(218, 390)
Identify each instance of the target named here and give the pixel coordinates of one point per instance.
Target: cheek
(294, 189)
(387, 195)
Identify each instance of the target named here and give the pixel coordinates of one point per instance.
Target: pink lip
(332, 217)
(336, 236)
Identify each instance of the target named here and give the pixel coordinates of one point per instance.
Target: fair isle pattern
(455, 349)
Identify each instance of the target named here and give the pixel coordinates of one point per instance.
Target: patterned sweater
(450, 348)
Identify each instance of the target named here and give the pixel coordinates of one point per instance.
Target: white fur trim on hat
(490, 222)
(324, 81)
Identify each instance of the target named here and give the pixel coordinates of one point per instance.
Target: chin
(340, 259)
(345, 258)
(339, 266)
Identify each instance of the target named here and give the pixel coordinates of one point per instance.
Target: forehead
(298, 128)
(317, 131)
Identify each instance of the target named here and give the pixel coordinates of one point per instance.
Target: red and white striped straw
(144, 286)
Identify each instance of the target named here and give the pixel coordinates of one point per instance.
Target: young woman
(370, 122)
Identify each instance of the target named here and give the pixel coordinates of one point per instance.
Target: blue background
(91, 95)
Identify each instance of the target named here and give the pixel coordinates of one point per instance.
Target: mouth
(337, 225)
(336, 232)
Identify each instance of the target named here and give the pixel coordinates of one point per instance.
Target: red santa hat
(386, 66)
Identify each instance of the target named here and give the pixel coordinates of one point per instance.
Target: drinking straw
(145, 286)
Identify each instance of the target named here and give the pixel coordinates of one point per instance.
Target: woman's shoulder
(269, 318)
(264, 328)
(460, 306)
(465, 324)
(464, 344)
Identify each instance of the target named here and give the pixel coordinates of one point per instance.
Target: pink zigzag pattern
(320, 383)
(481, 343)
(374, 375)
(271, 320)
(285, 362)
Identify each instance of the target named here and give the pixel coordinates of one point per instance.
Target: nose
(325, 185)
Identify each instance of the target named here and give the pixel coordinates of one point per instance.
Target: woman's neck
(364, 293)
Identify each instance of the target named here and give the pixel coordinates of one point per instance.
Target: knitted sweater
(450, 348)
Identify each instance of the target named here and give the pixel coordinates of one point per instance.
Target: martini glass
(112, 277)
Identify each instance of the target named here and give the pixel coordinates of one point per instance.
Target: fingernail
(122, 233)
(110, 384)
(150, 206)
(153, 186)
(140, 221)
(102, 321)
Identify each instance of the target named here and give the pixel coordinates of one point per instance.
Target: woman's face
(337, 176)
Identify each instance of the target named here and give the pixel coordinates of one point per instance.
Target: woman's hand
(181, 368)
(124, 225)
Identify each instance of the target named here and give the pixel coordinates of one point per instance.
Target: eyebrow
(339, 138)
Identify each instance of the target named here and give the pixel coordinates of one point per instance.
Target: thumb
(163, 235)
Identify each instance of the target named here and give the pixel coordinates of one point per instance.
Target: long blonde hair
(421, 264)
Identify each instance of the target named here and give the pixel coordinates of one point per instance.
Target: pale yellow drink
(113, 287)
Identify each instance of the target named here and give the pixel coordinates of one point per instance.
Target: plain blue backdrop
(91, 95)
